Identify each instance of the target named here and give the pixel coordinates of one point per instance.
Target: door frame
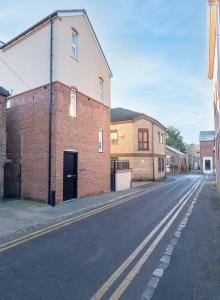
(77, 156)
(211, 164)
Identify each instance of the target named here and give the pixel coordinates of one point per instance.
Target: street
(110, 254)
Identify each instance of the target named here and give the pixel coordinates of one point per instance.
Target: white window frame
(101, 89)
(100, 140)
(8, 104)
(74, 45)
(73, 103)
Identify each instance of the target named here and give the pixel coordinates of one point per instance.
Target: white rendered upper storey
(78, 60)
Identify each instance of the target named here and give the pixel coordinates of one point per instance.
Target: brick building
(141, 140)
(207, 153)
(59, 117)
(3, 95)
(176, 161)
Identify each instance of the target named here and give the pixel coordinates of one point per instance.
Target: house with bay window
(141, 140)
(58, 119)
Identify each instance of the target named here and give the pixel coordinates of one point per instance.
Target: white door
(207, 165)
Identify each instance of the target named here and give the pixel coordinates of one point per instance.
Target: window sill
(76, 59)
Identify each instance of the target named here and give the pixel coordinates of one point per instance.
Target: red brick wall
(207, 149)
(29, 117)
(81, 134)
(2, 143)
(27, 120)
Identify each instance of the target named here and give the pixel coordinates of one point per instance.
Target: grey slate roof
(122, 114)
(206, 136)
(175, 150)
(3, 92)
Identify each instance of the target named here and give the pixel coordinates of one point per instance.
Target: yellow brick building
(141, 140)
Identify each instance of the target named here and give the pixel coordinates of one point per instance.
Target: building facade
(59, 116)
(176, 161)
(213, 74)
(207, 152)
(141, 140)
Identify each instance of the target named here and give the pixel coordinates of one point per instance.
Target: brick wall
(81, 134)
(2, 143)
(207, 149)
(27, 126)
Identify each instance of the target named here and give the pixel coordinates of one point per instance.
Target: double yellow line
(38, 233)
(173, 214)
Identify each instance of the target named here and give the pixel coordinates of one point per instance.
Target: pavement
(114, 252)
(194, 271)
(19, 217)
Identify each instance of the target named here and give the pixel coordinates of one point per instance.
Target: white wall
(122, 180)
(84, 72)
(27, 63)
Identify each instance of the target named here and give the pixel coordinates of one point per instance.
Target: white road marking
(131, 275)
(105, 287)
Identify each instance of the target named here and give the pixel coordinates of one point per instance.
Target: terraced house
(141, 140)
(59, 117)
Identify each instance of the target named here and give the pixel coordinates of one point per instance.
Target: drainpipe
(50, 114)
(153, 151)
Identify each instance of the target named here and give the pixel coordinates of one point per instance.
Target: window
(101, 84)
(74, 44)
(160, 164)
(100, 140)
(143, 139)
(158, 137)
(8, 104)
(162, 138)
(114, 136)
(72, 108)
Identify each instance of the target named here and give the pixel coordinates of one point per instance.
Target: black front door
(70, 176)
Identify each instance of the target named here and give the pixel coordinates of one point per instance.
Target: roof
(175, 150)
(3, 92)
(67, 12)
(206, 136)
(121, 114)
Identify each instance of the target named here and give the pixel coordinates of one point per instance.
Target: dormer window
(74, 44)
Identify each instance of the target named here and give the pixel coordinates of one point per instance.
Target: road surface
(109, 253)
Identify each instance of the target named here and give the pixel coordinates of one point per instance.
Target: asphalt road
(75, 261)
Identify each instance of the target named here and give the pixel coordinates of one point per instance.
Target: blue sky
(157, 51)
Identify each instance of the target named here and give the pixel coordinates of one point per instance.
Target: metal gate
(12, 179)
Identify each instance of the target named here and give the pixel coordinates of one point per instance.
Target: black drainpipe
(153, 151)
(50, 113)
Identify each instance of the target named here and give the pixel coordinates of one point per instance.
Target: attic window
(74, 44)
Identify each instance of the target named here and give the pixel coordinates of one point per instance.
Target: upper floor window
(101, 89)
(114, 136)
(8, 104)
(72, 108)
(74, 45)
(100, 140)
(160, 137)
(143, 139)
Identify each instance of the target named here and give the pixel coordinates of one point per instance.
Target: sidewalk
(19, 217)
(194, 271)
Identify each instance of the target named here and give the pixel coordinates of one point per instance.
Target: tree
(174, 139)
